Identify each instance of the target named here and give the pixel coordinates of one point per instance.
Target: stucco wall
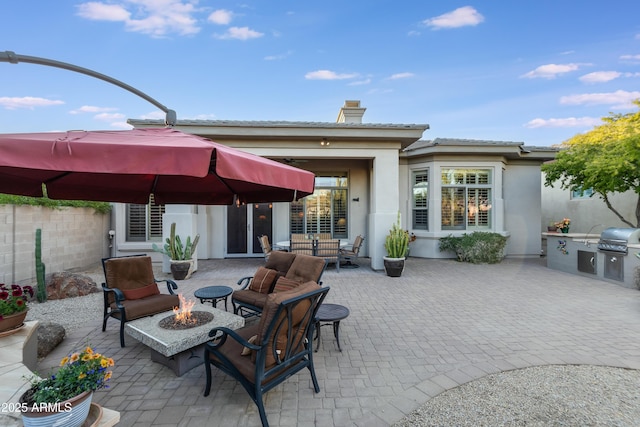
(521, 194)
(586, 214)
(72, 238)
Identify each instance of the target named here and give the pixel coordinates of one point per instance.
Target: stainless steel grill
(617, 239)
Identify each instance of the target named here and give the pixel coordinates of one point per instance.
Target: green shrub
(478, 247)
(9, 199)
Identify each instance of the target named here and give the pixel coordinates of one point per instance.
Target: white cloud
(620, 99)
(157, 18)
(600, 76)
(97, 11)
(30, 102)
(108, 117)
(399, 76)
(630, 57)
(121, 125)
(92, 109)
(328, 75)
(568, 122)
(551, 71)
(221, 17)
(461, 17)
(239, 33)
(155, 115)
(360, 82)
(413, 33)
(278, 57)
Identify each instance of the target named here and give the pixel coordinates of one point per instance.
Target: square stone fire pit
(179, 349)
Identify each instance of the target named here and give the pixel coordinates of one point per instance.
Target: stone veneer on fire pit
(180, 350)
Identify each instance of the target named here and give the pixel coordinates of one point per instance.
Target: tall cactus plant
(175, 249)
(397, 241)
(41, 293)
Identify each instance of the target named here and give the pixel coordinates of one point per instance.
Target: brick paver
(407, 339)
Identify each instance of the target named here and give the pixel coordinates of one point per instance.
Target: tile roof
(280, 124)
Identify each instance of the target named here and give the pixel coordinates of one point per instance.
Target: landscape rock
(50, 335)
(68, 285)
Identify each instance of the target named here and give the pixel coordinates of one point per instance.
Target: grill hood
(617, 239)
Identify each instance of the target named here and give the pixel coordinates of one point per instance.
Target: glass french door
(244, 225)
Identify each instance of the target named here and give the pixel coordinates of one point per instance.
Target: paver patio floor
(441, 324)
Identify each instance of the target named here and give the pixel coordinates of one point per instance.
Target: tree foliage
(605, 159)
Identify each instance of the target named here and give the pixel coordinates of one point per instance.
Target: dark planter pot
(393, 266)
(180, 269)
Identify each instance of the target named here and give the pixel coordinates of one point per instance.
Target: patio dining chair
(349, 255)
(330, 251)
(265, 245)
(306, 247)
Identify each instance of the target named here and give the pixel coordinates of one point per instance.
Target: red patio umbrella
(128, 166)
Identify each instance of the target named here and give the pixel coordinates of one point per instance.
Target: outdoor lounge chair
(282, 271)
(265, 354)
(131, 292)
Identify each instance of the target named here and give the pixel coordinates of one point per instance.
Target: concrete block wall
(72, 238)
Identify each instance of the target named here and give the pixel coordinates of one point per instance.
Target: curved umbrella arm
(13, 58)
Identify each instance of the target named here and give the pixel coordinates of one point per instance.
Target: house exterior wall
(522, 210)
(72, 238)
(589, 215)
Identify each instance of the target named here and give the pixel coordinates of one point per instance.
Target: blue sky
(537, 72)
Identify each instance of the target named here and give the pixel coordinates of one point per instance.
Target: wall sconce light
(356, 199)
(324, 142)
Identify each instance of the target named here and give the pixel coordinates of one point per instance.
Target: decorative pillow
(263, 279)
(246, 350)
(145, 291)
(284, 285)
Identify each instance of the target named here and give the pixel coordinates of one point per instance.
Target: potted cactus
(397, 246)
(180, 254)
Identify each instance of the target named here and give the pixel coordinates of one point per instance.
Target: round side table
(213, 294)
(332, 314)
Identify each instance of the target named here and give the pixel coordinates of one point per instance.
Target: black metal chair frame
(296, 356)
(120, 312)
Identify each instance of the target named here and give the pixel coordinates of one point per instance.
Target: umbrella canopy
(128, 166)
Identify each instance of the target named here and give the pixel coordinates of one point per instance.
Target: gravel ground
(538, 396)
(72, 313)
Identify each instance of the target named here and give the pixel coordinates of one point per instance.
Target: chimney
(351, 112)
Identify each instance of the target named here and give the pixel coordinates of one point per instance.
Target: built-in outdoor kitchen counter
(578, 253)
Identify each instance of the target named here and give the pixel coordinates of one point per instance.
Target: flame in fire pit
(183, 313)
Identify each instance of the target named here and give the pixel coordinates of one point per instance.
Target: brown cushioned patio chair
(294, 269)
(131, 292)
(265, 354)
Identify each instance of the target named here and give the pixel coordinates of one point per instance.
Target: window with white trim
(324, 211)
(420, 200)
(466, 199)
(144, 222)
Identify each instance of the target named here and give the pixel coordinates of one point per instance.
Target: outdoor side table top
(332, 314)
(213, 294)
